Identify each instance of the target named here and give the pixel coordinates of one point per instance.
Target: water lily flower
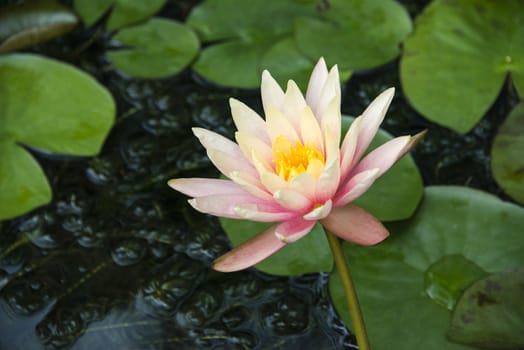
(291, 169)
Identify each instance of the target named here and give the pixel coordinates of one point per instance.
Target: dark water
(120, 261)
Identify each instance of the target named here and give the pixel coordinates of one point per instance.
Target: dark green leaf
(507, 160)
(354, 34)
(123, 12)
(390, 277)
(454, 64)
(27, 24)
(154, 49)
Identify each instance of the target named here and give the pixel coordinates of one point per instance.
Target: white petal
(316, 83)
(247, 120)
(320, 212)
(272, 94)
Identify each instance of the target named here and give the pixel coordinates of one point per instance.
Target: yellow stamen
(291, 160)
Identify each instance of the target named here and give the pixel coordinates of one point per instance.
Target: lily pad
(507, 161)
(245, 32)
(355, 34)
(73, 117)
(390, 277)
(290, 260)
(123, 12)
(27, 24)
(397, 193)
(154, 49)
(490, 314)
(458, 57)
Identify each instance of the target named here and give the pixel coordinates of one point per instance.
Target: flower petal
(316, 82)
(305, 184)
(328, 182)
(347, 150)
(272, 94)
(198, 187)
(332, 119)
(310, 132)
(247, 120)
(292, 200)
(273, 182)
(251, 185)
(224, 204)
(356, 186)
(384, 156)
(356, 225)
(250, 252)
(249, 142)
(294, 104)
(263, 212)
(371, 120)
(319, 212)
(278, 125)
(330, 89)
(293, 230)
(228, 163)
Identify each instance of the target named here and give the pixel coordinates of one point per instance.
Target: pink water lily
(292, 170)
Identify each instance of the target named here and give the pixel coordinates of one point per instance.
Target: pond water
(120, 261)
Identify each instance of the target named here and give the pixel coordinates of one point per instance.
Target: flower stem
(349, 291)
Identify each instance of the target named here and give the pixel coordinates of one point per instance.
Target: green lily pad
(27, 24)
(123, 12)
(291, 259)
(397, 193)
(355, 34)
(73, 117)
(390, 277)
(250, 36)
(490, 314)
(456, 61)
(507, 162)
(154, 49)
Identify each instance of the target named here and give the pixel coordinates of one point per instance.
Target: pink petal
(328, 182)
(272, 94)
(293, 230)
(356, 186)
(356, 225)
(316, 82)
(371, 120)
(349, 145)
(384, 156)
(224, 204)
(292, 200)
(247, 120)
(319, 212)
(198, 187)
(229, 163)
(250, 252)
(263, 212)
(251, 185)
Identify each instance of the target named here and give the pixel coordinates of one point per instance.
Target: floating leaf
(73, 117)
(507, 161)
(250, 35)
(397, 193)
(490, 314)
(27, 24)
(390, 277)
(155, 49)
(123, 12)
(355, 34)
(454, 64)
(291, 259)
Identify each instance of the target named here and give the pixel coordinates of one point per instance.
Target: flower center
(291, 160)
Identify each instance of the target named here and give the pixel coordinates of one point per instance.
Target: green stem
(349, 291)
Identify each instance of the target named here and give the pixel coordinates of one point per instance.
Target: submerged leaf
(490, 314)
(390, 277)
(73, 117)
(456, 61)
(27, 24)
(507, 161)
(155, 49)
